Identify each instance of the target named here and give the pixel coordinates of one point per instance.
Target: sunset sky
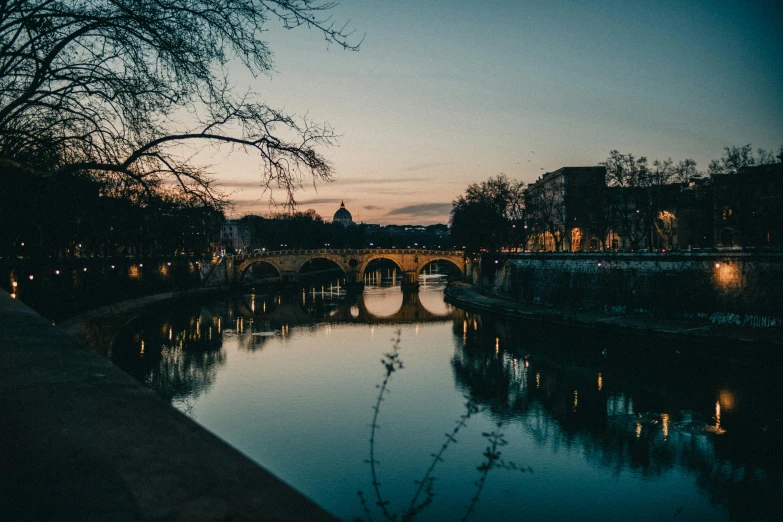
(446, 93)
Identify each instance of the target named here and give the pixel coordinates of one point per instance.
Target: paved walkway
(82, 440)
(472, 298)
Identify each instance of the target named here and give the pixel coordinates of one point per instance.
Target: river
(547, 423)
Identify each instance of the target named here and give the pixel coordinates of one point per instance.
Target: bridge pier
(353, 279)
(411, 279)
(289, 277)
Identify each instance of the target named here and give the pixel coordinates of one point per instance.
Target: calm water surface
(597, 428)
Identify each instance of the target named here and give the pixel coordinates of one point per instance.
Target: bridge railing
(347, 251)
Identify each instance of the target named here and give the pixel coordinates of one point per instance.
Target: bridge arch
(365, 262)
(247, 267)
(424, 261)
(334, 260)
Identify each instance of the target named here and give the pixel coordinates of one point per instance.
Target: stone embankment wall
(83, 440)
(732, 288)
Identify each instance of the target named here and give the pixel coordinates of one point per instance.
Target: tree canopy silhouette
(117, 89)
(485, 215)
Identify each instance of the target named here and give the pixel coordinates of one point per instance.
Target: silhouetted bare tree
(546, 209)
(735, 158)
(119, 88)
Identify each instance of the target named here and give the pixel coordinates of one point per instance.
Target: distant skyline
(447, 93)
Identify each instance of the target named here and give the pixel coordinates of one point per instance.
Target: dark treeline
(82, 216)
(308, 230)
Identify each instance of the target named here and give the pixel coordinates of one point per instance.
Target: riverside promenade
(82, 440)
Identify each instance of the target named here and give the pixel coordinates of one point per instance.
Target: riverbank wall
(61, 288)
(732, 288)
(82, 440)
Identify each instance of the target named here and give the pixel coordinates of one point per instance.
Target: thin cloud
(422, 166)
(422, 209)
(240, 184)
(318, 201)
(371, 207)
(378, 181)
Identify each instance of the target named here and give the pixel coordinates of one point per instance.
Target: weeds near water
(425, 486)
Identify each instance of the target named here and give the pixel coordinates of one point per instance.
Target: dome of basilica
(342, 216)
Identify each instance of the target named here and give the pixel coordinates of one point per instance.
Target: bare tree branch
(101, 86)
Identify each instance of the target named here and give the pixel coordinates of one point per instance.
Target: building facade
(572, 210)
(563, 209)
(234, 237)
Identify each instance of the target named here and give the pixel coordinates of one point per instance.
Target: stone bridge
(353, 262)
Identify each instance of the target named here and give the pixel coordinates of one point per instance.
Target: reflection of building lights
(665, 424)
(576, 399)
(726, 399)
(717, 428)
(538, 380)
(497, 344)
(600, 382)
(638, 429)
(142, 348)
(170, 333)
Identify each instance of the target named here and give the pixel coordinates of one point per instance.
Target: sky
(445, 93)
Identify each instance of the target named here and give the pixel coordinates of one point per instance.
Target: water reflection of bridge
(351, 308)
